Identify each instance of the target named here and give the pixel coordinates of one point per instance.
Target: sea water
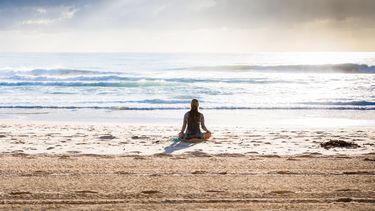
(168, 81)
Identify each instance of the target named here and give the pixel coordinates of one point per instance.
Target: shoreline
(214, 118)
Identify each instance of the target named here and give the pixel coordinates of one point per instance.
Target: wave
(348, 103)
(140, 83)
(188, 100)
(323, 68)
(44, 74)
(78, 78)
(203, 108)
(64, 72)
(86, 74)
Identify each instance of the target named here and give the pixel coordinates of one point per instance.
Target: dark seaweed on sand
(338, 143)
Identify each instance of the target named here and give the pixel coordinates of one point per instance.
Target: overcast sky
(187, 25)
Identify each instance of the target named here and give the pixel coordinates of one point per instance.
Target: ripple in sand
(214, 191)
(199, 172)
(358, 173)
(73, 152)
(150, 192)
(347, 190)
(85, 191)
(281, 192)
(19, 192)
(344, 200)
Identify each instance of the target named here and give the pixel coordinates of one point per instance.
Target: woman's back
(193, 119)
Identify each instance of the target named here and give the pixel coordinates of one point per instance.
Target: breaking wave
(325, 68)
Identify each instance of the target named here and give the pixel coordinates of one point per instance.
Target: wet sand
(186, 182)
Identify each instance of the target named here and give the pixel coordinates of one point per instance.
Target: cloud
(41, 10)
(193, 14)
(48, 19)
(196, 14)
(193, 25)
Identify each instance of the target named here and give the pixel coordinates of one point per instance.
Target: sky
(216, 26)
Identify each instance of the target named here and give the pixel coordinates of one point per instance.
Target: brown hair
(194, 114)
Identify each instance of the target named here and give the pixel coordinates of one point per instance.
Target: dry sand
(124, 139)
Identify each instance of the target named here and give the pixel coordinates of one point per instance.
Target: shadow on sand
(179, 144)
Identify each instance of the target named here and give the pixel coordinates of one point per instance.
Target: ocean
(161, 81)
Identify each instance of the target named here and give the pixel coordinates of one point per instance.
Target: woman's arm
(184, 123)
(203, 125)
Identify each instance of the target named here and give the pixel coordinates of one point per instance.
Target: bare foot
(207, 135)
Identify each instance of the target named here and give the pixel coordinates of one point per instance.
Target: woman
(194, 120)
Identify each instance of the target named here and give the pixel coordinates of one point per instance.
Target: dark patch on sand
(107, 137)
(369, 159)
(338, 143)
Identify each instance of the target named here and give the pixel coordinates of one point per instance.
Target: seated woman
(194, 120)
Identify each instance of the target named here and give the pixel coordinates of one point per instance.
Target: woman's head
(194, 104)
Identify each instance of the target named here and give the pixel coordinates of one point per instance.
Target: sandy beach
(75, 166)
(80, 138)
(186, 182)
